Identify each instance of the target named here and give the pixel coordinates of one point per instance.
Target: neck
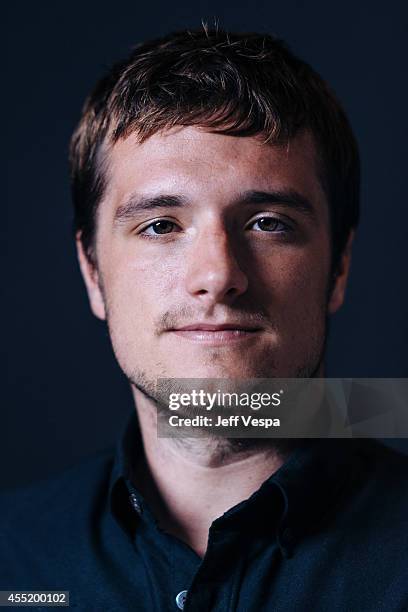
(189, 482)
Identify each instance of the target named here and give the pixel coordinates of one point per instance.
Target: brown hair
(237, 84)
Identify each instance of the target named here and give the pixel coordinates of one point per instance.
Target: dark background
(65, 396)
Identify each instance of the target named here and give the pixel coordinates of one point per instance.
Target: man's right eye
(158, 228)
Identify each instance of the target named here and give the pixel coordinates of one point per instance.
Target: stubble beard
(158, 396)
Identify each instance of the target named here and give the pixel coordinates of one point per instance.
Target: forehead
(192, 161)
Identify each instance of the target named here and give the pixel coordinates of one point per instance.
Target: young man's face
(213, 258)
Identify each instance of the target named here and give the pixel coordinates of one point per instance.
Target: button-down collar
(289, 503)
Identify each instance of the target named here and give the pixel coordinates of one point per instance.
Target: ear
(91, 279)
(339, 287)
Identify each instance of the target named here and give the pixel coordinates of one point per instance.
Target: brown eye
(269, 224)
(159, 227)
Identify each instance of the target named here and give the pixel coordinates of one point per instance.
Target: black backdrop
(65, 397)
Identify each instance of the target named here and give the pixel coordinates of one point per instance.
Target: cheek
(294, 284)
(137, 288)
(135, 293)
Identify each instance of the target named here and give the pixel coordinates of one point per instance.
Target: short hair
(230, 83)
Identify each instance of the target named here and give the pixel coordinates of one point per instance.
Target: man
(216, 190)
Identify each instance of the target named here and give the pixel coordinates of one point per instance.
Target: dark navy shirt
(327, 532)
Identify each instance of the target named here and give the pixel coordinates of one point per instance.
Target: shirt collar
(121, 490)
(310, 481)
(293, 500)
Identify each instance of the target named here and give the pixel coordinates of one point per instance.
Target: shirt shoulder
(388, 465)
(379, 481)
(59, 513)
(60, 492)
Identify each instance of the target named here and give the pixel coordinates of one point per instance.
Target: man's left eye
(269, 224)
(160, 227)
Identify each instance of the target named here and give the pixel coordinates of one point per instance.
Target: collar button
(286, 542)
(135, 503)
(287, 536)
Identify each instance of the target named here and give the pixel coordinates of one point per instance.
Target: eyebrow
(136, 204)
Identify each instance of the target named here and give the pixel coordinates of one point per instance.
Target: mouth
(216, 334)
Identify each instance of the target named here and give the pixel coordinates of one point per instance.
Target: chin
(220, 372)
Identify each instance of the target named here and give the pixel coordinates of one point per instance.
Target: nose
(213, 272)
